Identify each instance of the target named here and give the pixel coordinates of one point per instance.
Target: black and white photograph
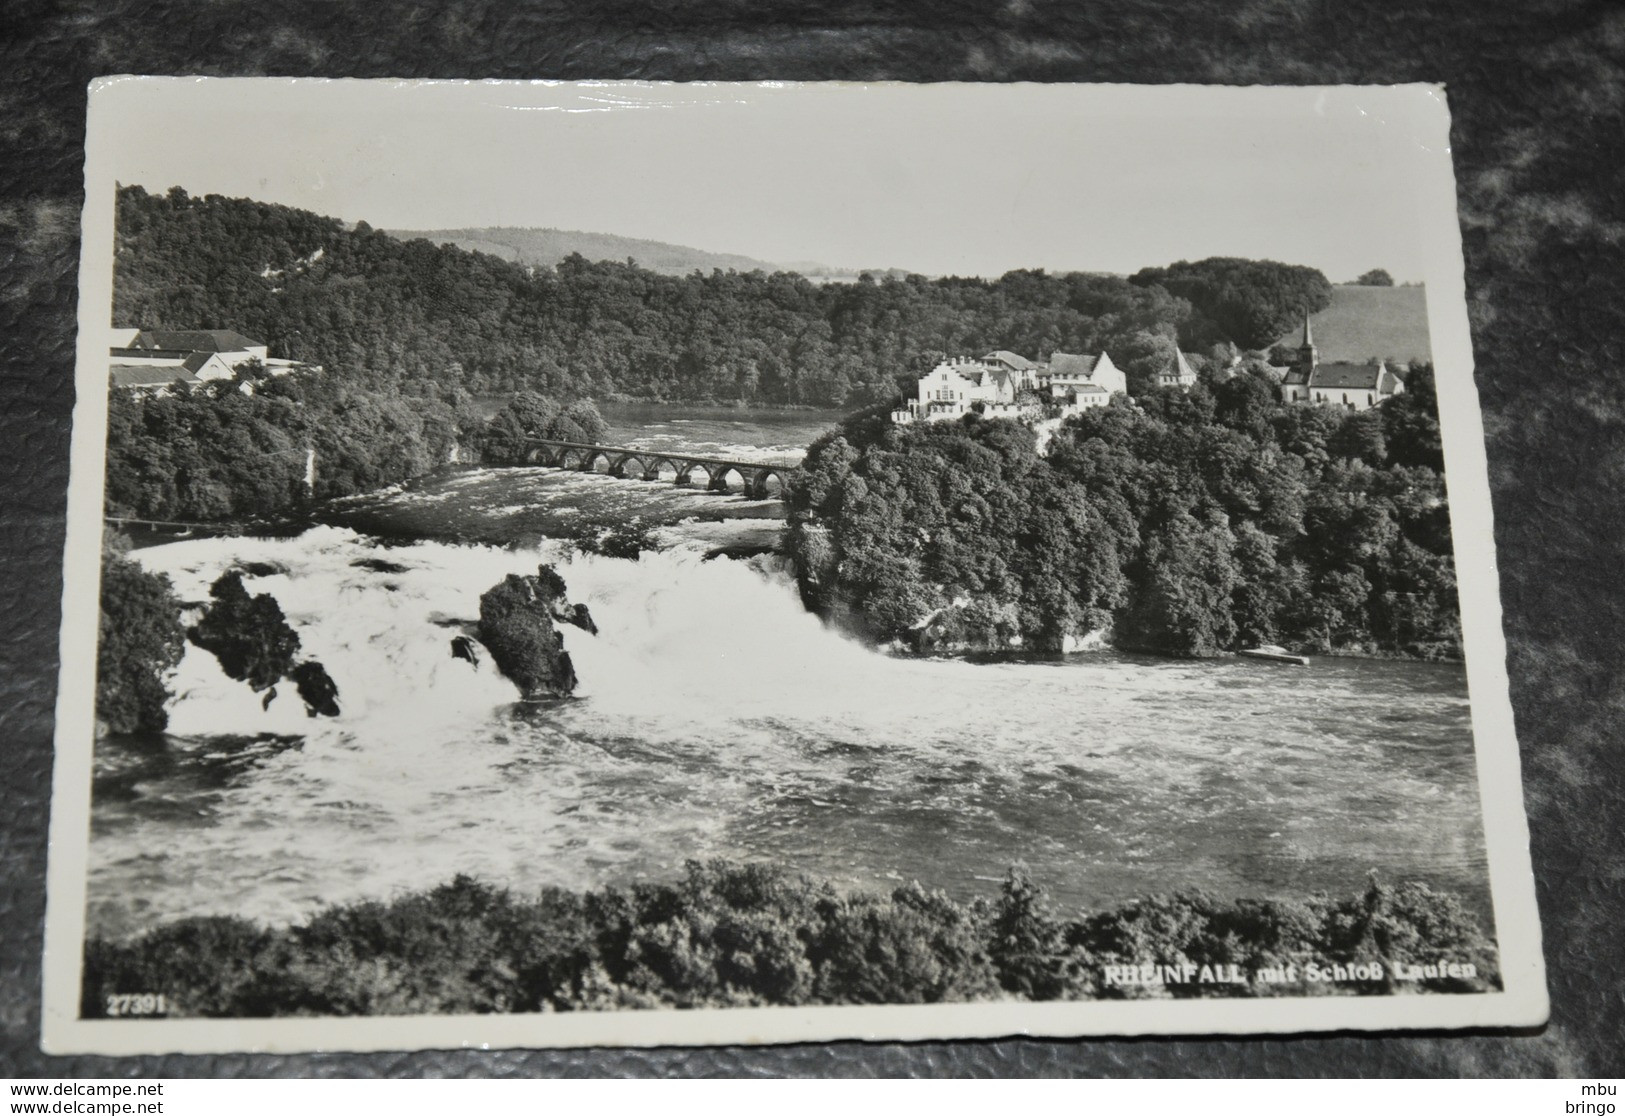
(560, 564)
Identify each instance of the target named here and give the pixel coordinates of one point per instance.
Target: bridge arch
(768, 485)
(687, 467)
(719, 478)
(618, 465)
(592, 456)
(657, 466)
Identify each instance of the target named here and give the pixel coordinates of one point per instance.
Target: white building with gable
(993, 386)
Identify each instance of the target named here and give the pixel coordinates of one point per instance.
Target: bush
(748, 934)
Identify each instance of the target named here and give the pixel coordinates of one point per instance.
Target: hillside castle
(1003, 384)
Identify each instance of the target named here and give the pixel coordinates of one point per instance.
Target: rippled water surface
(717, 718)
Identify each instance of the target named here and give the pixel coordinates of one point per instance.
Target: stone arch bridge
(758, 480)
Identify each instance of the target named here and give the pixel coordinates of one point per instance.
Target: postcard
(624, 563)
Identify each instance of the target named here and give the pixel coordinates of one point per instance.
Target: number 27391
(136, 1003)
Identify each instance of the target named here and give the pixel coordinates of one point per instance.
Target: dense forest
(736, 935)
(421, 319)
(409, 333)
(1178, 523)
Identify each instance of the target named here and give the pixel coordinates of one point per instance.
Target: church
(1341, 383)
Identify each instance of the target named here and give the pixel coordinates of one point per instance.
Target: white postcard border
(1523, 1003)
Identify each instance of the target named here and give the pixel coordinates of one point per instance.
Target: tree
(1410, 422)
(1252, 301)
(1361, 438)
(141, 641)
(1180, 603)
(1376, 277)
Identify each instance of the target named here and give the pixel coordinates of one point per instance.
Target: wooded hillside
(419, 317)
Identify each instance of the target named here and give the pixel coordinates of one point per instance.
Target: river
(717, 718)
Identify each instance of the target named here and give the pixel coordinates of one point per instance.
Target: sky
(939, 179)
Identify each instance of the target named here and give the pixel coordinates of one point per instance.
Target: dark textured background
(1538, 95)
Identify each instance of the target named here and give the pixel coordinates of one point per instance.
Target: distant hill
(546, 247)
(1366, 322)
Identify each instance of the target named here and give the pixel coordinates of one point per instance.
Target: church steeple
(1307, 356)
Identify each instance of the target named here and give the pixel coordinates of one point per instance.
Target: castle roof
(1014, 360)
(194, 340)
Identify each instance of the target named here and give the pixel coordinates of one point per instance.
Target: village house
(152, 360)
(1341, 383)
(1074, 381)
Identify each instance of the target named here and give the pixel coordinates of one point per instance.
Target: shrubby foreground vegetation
(1179, 523)
(730, 935)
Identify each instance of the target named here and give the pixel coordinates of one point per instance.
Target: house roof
(176, 355)
(1014, 360)
(1346, 374)
(149, 375)
(1074, 364)
(1181, 369)
(194, 340)
(1391, 382)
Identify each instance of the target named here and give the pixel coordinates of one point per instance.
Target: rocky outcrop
(517, 626)
(251, 639)
(316, 689)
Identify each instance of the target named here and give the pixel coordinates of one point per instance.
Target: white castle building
(1003, 384)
